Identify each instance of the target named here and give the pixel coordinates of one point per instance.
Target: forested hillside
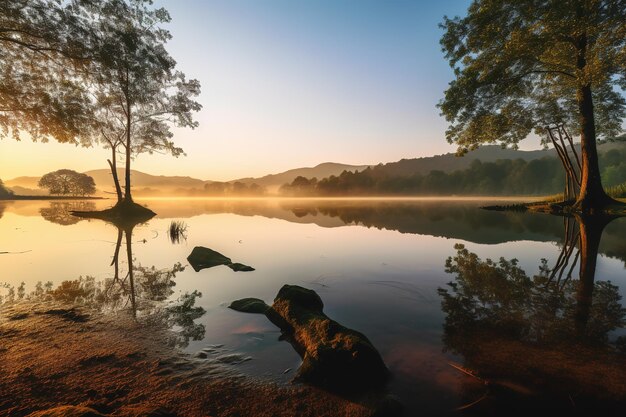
(503, 177)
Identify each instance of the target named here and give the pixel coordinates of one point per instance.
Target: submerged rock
(249, 305)
(333, 356)
(201, 258)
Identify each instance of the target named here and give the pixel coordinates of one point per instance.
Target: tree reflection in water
(147, 290)
(141, 291)
(59, 211)
(551, 334)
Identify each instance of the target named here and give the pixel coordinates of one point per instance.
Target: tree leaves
(517, 67)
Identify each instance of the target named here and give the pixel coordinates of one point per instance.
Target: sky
(288, 84)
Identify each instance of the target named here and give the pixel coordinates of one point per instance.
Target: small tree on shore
(67, 182)
(139, 93)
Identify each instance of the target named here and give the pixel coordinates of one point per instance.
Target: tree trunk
(591, 197)
(116, 180)
(127, 194)
(129, 256)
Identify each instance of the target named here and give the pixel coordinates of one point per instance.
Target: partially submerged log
(333, 356)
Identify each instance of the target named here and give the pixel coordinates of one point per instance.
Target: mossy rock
(333, 356)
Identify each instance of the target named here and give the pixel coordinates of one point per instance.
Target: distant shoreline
(47, 197)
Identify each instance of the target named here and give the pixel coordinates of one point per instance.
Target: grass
(177, 231)
(617, 191)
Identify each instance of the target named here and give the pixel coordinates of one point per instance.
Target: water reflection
(455, 219)
(143, 292)
(146, 289)
(551, 337)
(59, 211)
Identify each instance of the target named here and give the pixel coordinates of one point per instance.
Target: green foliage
(521, 65)
(5, 192)
(138, 91)
(45, 46)
(617, 191)
(86, 71)
(68, 182)
(504, 177)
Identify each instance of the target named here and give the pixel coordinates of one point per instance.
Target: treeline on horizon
(543, 176)
(5, 192)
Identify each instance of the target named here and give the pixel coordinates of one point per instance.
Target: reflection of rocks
(201, 258)
(59, 212)
(333, 356)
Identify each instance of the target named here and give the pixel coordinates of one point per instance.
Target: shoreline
(63, 355)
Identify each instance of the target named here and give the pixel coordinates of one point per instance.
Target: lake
(379, 267)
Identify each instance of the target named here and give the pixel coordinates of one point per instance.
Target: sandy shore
(54, 355)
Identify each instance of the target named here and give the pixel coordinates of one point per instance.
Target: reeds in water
(177, 231)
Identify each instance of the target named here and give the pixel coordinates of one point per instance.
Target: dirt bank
(54, 355)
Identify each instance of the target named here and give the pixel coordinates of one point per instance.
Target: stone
(333, 356)
(249, 305)
(201, 258)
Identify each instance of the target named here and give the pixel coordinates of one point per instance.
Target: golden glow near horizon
(288, 85)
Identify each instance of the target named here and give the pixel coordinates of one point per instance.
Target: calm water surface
(377, 265)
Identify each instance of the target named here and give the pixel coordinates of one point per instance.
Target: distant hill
(326, 169)
(103, 178)
(24, 182)
(489, 153)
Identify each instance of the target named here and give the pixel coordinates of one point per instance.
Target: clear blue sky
(289, 83)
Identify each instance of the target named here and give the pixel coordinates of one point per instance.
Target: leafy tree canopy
(138, 94)
(520, 66)
(68, 182)
(45, 46)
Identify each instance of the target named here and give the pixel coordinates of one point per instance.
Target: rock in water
(201, 258)
(249, 305)
(237, 267)
(333, 356)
